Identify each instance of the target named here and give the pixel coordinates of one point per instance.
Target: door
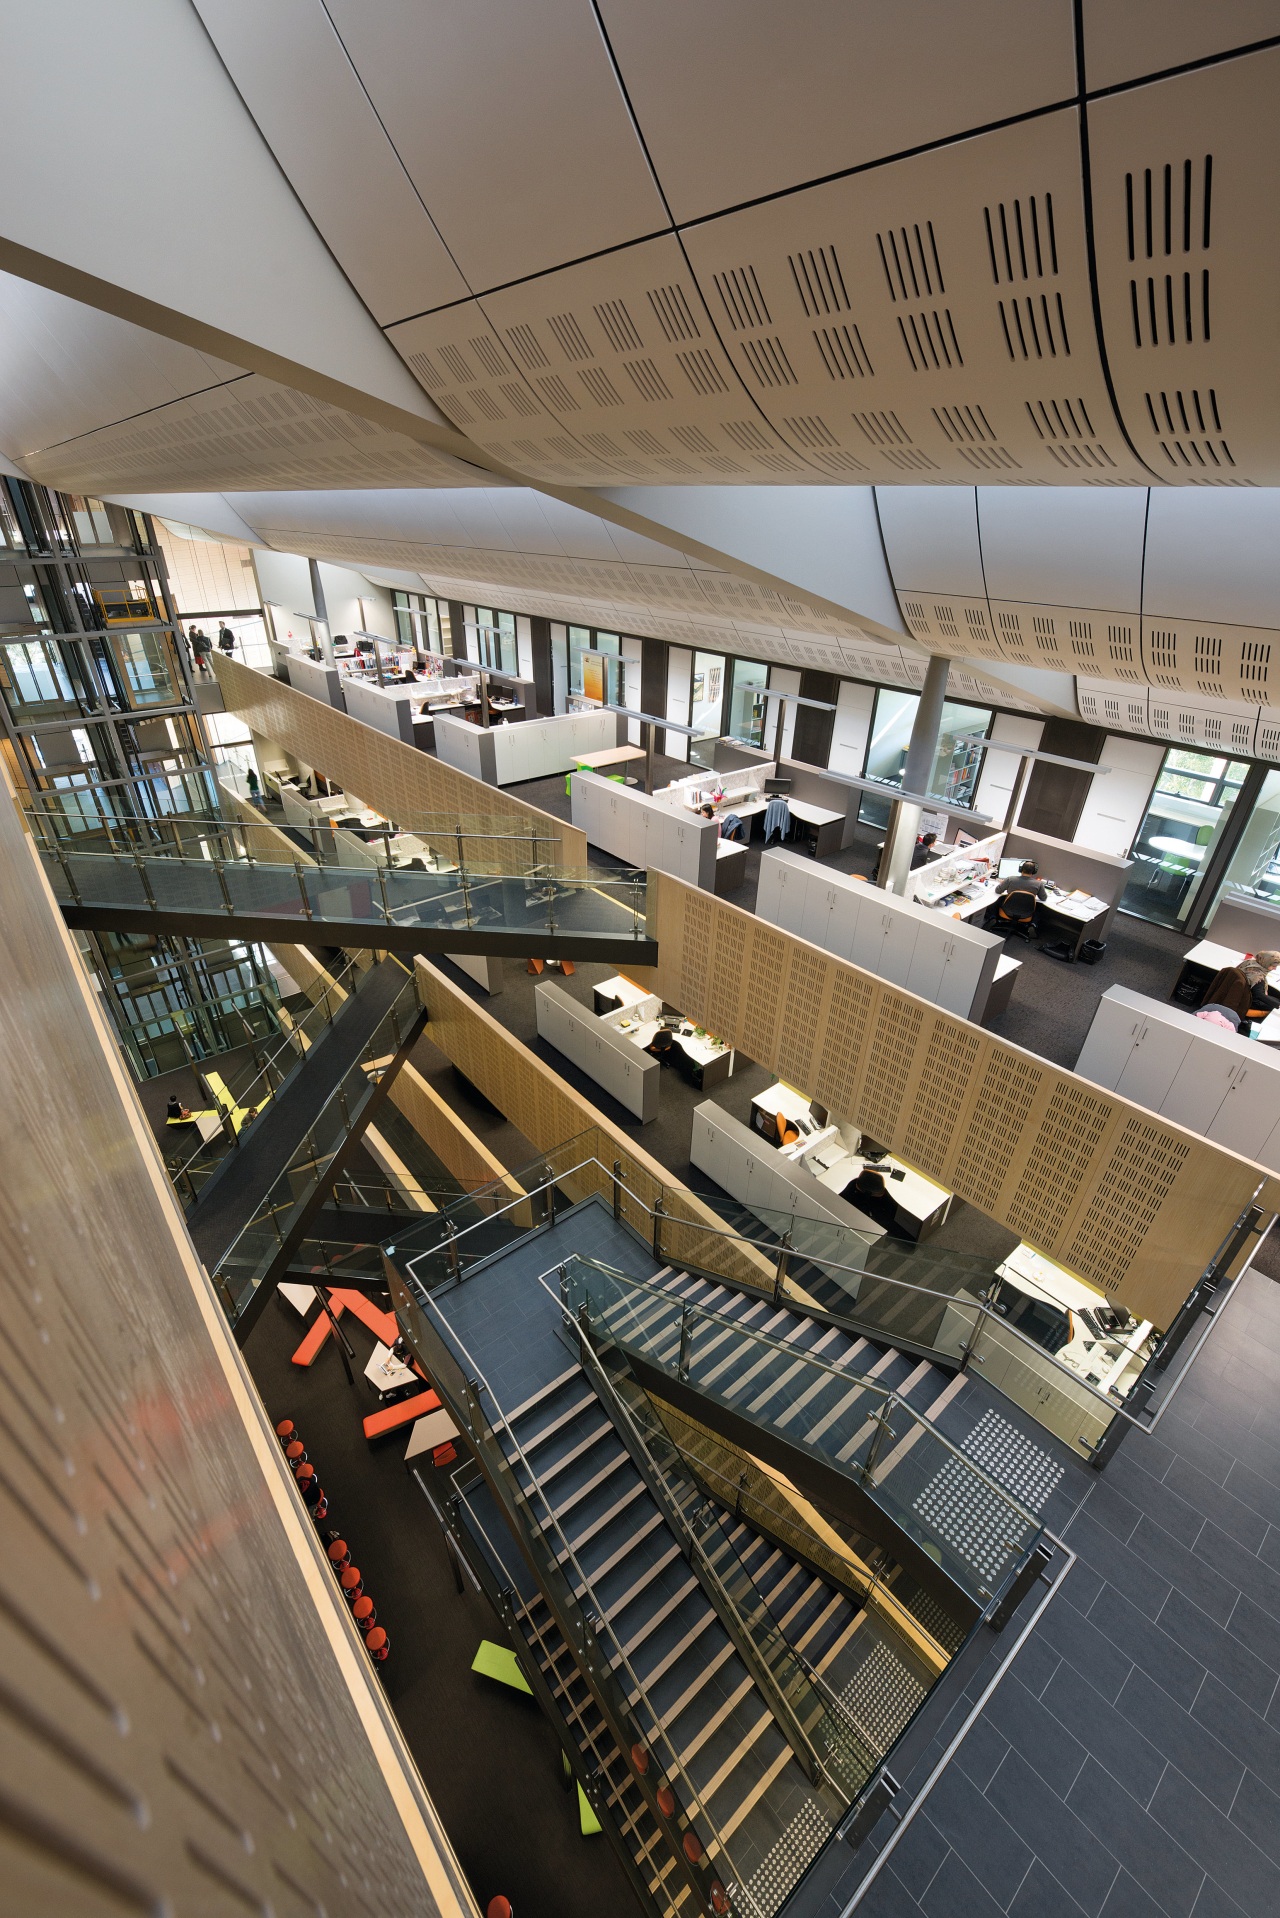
(1200, 1084)
(1155, 1059)
(815, 920)
(1250, 1112)
(899, 946)
(928, 962)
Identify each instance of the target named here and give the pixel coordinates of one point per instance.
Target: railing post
(382, 888)
(302, 888)
(222, 885)
(617, 1188)
(65, 863)
(780, 1269)
(882, 1426)
(145, 878)
(451, 1250)
(658, 1216)
(686, 1334)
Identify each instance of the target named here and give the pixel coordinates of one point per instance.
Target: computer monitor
(1008, 867)
(780, 787)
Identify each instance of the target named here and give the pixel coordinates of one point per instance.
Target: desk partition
(313, 677)
(385, 707)
(538, 749)
(648, 832)
(1073, 868)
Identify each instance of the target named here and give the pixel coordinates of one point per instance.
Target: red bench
(392, 1417)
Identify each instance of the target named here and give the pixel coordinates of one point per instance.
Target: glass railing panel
(846, 1420)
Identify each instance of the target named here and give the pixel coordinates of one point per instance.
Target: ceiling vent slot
(1168, 211)
(525, 346)
(601, 443)
(489, 354)
(916, 617)
(647, 380)
(1021, 240)
(909, 257)
(1164, 650)
(426, 368)
(1242, 735)
(843, 353)
(819, 282)
(569, 336)
(1081, 631)
(810, 430)
(1268, 742)
(1046, 636)
(619, 327)
(557, 394)
(693, 439)
(1255, 659)
(456, 364)
(882, 429)
(1177, 417)
(671, 310)
(1111, 711)
(964, 425)
(485, 404)
(452, 407)
(1035, 327)
(600, 386)
(1208, 656)
(741, 298)
(702, 371)
(646, 442)
(1060, 419)
(909, 459)
(988, 459)
(747, 435)
(945, 616)
(768, 360)
(1212, 730)
(930, 340)
(518, 400)
(838, 463)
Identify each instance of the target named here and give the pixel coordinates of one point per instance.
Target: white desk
(1109, 1362)
(1200, 965)
(825, 1152)
(623, 991)
(300, 1297)
(712, 1055)
(436, 1429)
(386, 1372)
(1179, 848)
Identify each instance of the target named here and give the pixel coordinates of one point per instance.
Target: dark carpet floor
(487, 1755)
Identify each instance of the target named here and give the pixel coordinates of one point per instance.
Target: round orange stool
(351, 1583)
(364, 1614)
(377, 1644)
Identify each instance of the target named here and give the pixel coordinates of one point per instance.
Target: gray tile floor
(1129, 1762)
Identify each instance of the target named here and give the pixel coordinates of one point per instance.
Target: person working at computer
(923, 851)
(1026, 879)
(1243, 988)
(870, 1193)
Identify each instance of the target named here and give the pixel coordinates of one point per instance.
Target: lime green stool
(588, 1823)
(500, 1663)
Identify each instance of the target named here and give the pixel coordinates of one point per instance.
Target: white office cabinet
(773, 880)
(848, 906)
(898, 950)
(815, 916)
(1118, 798)
(928, 965)
(606, 1056)
(1211, 1081)
(757, 1175)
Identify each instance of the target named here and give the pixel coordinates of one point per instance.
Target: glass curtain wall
(417, 619)
(1253, 876)
(597, 670)
(495, 640)
(955, 767)
(1189, 808)
(707, 699)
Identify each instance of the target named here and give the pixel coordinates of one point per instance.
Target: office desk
(207, 1124)
(711, 1056)
(611, 756)
(385, 1372)
(921, 1206)
(731, 866)
(616, 994)
(1201, 964)
(823, 830)
(1076, 919)
(1109, 1362)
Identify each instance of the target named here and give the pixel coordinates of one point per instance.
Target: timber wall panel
(551, 1114)
(397, 780)
(1134, 1204)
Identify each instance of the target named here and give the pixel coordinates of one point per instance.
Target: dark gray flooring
(1129, 1763)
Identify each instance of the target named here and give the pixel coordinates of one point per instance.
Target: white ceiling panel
(177, 199)
(66, 369)
(1186, 207)
(248, 433)
(1214, 557)
(511, 124)
(740, 98)
(1150, 36)
(931, 538)
(930, 320)
(622, 351)
(294, 76)
(1063, 545)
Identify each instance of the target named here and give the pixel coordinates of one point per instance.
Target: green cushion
(588, 1823)
(497, 1661)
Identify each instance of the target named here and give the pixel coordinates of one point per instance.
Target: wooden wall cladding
(188, 1721)
(397, 780)
(1135, 1205)
(551, 1114)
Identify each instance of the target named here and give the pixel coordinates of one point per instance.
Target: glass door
(1187, 813)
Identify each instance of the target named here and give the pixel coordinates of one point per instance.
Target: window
(494, 640)
(747, 702)
(707, 700)
(417, 619)
(1254, 871)
(955, 767)
(1193, 797)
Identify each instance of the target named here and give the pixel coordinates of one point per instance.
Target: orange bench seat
(392, 1417)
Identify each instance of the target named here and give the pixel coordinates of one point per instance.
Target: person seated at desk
(176, 1110)
(1244, 990)
(1017, 898)
(870, 1193)
(923, 851)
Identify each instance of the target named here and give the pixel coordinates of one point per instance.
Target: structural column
(323, 634)
(922, 750)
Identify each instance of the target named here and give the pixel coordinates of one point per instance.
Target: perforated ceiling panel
(930, 319)
(248, 433)
(1186, 184)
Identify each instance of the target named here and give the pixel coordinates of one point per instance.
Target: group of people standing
(201, 645)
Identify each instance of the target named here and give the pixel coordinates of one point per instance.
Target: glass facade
(1254, 871)
(747, 702)
(1188, 810)
(707, 698)
(955, 766)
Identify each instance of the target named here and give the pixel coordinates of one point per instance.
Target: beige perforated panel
(248, 434)
(1130, 1202)
(401, 782)
(187, 1720)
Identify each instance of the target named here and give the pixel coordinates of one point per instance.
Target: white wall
(1113, 811)
(854, 706)
(284, 580)
(524, 646)
(999, 770)
(782, 679)
(679, 685)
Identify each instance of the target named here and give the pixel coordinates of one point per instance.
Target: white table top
(826, 1157)
(437, 1428)
(1084, 911)
(624, 990)
(1217, 958)
(1104, 1363)
(300, 1297)
(1180, 848)
(386, 1372)
(701, 1051)
(725, 848)
(811, 815)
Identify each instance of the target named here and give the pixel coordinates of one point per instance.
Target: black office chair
(690, 1069)
(663, 1048)
(1014, 914)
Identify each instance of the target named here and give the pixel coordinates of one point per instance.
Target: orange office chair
(787, 1133)
(1015, 914)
